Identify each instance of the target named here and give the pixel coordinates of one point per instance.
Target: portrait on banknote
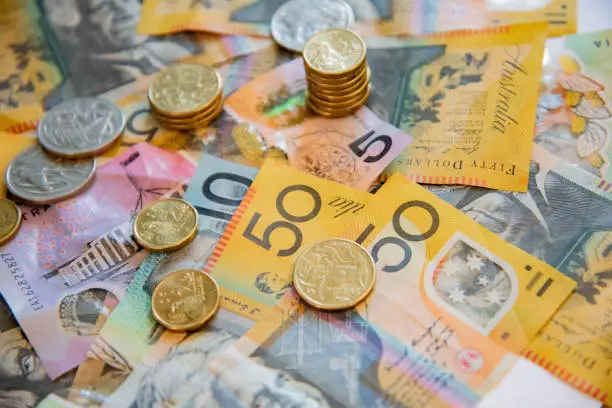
(23, 380)
(100, 47)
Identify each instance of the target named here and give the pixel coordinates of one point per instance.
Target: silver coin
(298, 20)
(81, 127)
(40, 178)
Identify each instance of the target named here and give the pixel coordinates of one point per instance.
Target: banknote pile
(318, 203)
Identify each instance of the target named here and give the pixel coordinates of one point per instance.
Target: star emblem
(474, 262)
(483, 280)
(457, 295)
(452, 266)
(495, 297)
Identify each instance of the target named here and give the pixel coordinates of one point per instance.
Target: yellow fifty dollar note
(283, 211)
(465, 275)
(468, 99)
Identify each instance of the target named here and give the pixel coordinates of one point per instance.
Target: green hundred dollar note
(54, 50)
(216, 190)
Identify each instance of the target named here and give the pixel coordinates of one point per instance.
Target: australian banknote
(470, 279)
(298, 356)
(457, 95)
(352, 150)
(54, 50)
(216, 190)
(573, 115)
(565, 219)
(372, 17)
(71, 262)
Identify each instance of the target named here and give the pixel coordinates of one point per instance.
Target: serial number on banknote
(21, 281)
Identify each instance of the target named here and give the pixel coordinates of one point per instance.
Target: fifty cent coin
(185, 300)
(334, 274)
(166, 225)
(39, 178)
(10, 220)
(296, 21)
(81, 127)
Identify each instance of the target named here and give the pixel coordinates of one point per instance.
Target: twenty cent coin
(185, 89)
(334, 274)
(10, 220)
(296, 21)
(81, 127)
(185, 300)
(39, 178)
(166, 225)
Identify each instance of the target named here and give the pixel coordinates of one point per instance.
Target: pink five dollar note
(352, 150)
(71, 262)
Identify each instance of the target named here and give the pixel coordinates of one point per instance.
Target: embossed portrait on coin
(101, 48)
(327, 161)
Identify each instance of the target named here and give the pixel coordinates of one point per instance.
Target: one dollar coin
(10, 220)
(334, 274)
(185, 300)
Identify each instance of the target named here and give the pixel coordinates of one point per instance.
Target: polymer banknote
(353, 150)
(467, 98)
(565, 219)
(216, 190)
(573, 115)
(298, 356)
(372, 17)
(71, 262)
(467, 277)
(53, 51)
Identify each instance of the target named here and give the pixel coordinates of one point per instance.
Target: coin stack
(186, 96)
(337, 72)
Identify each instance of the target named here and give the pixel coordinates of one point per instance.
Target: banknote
(11, 145)
(372, 17)
(352, 150)
(23, 379)
(53, 50)
(71, 263)
(565, 219)
(252, 17)
(468, 277)
(165, 372)
(298, 356)
(284, 211)
(573, 115)
(216, 190)
(457, 95)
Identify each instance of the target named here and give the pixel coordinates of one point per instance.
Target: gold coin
(195, 116)
(335, 51)
(192, 125)
(340, 88)
(185, 89)
(166, 225)
(331, 79)
(334, 274)
(185, 300)
(10, 220)
(334, 112)
(337, 105)
(343, 99)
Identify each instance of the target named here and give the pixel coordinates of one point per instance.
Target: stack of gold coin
(186, 96)
(337, 73)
